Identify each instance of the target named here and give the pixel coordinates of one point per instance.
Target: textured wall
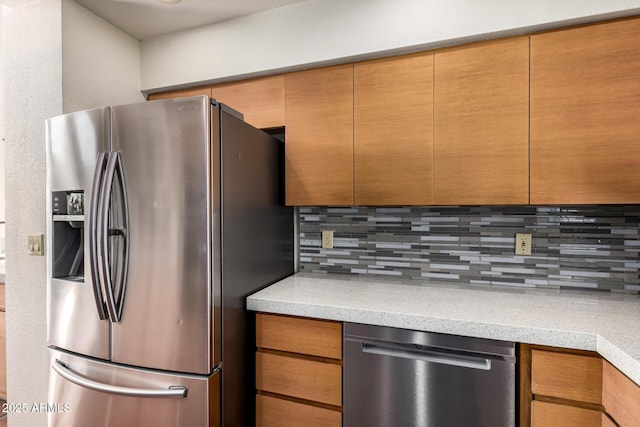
(35, 65)
(33, 92)
(586, 247)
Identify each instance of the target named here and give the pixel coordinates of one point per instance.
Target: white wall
(33, 92)
(96, 56)
(44, 64)
(331, 31)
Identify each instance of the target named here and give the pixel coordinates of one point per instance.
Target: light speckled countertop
(602, 322)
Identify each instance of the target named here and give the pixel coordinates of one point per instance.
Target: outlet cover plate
(523, 244)
(327, 239)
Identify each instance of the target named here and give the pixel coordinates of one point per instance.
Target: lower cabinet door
(275, 412)
(545, 414)
(620, 397)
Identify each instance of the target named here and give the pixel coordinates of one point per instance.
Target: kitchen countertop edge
(604, 323)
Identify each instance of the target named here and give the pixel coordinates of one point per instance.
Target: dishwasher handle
(462, 361)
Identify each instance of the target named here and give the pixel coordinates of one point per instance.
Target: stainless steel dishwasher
(398, 377)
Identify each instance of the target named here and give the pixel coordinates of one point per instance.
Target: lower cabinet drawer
(274, 412)
(313, 337)
(544, 414)
(298, 377)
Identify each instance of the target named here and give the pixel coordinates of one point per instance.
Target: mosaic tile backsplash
(578, 247)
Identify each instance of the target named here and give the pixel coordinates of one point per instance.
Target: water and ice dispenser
(68, 234)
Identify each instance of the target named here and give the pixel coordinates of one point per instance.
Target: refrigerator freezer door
(166, 314)
(84, 392)
(74, 142)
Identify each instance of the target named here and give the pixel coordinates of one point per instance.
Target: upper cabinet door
(585, 110)
(181, 93)
(261, 100)
(481, 139)
(393, 131)
(319, 136)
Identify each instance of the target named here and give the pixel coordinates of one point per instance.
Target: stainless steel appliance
(162, 217)
(398, 377)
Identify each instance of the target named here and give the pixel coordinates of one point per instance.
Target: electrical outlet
(35, 244)
(523, 244)
(327, 239)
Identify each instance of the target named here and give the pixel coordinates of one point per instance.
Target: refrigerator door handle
(114, 171)
(123, 233)
(93, 227)
(69, 375)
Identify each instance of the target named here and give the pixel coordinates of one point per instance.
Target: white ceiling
(147, 18)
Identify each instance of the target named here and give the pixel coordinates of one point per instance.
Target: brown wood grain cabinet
(575, 388)
(585, 104)
(260, 100)
(393, 131)
(319, 136)
(621, 396)
(567, 376)
(546, 414)
(298, 371)
(180, 93)
(481, 143)
(301, 378)
(272, 411)
(302, 336)
(549, 118)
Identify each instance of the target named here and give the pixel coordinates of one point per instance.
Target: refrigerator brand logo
(188, 108)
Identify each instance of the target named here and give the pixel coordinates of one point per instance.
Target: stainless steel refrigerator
(161, 218)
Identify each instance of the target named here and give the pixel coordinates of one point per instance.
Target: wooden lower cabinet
(545, 414)
(575, 388)
(299, 335)
(567, 376)
(620, 396)
(298, 371)
(298, 377)
(274, 411)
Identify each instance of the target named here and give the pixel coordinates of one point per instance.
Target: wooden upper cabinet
(481, 143)
(585, 105)
(319, 136)
(260, 100)
(181, 93)
(393, 131)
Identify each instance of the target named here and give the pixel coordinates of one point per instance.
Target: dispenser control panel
(67, 202)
